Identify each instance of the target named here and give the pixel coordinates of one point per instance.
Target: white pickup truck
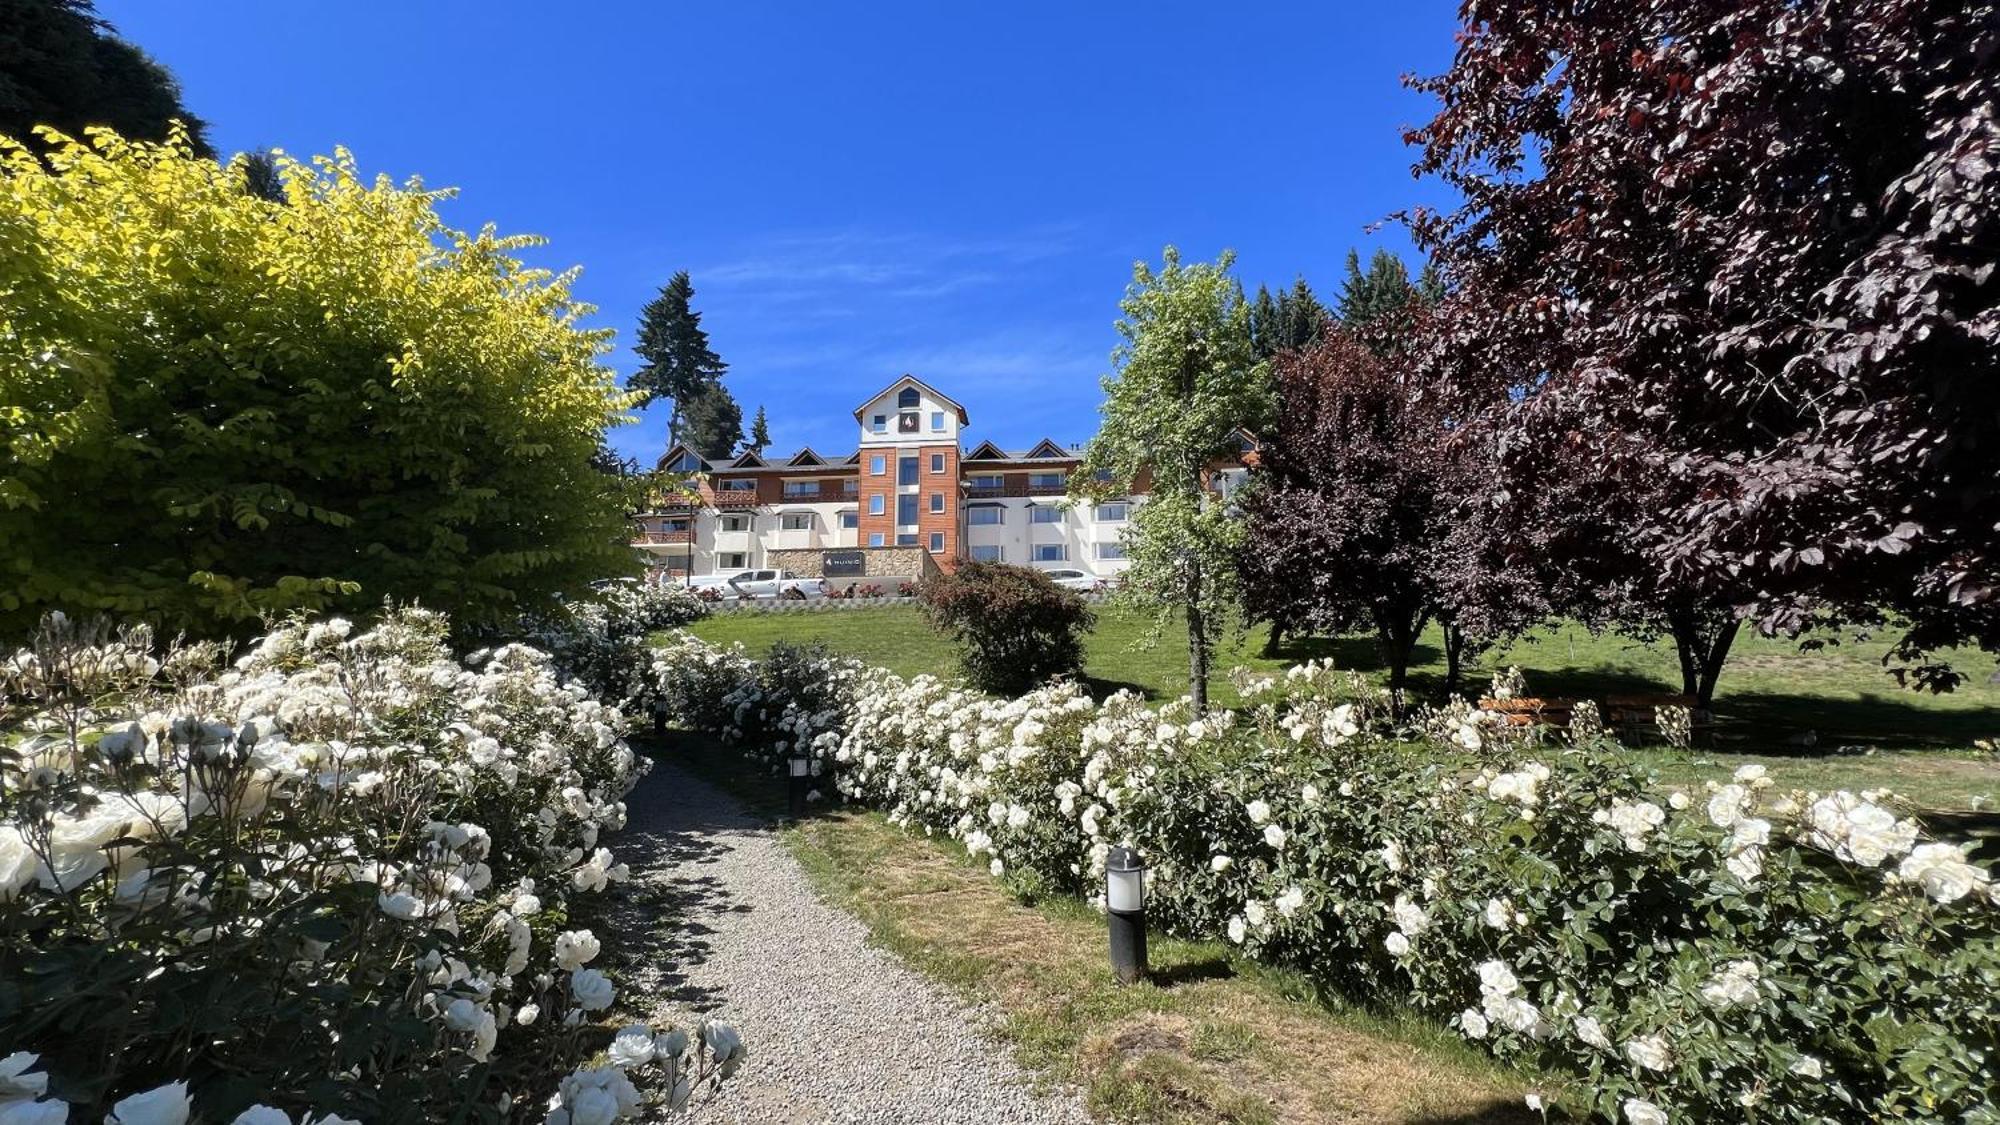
(754, 584)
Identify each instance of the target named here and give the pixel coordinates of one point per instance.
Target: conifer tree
(760, 433)
(712, 423)
(679, 365)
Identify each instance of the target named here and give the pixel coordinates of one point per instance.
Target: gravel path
(838, 1030)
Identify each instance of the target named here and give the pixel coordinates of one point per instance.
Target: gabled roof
(1049, 448)
(749, 460)
(912, 380)
(682, 449)
(806, 457)
(853, 458)
(986, 451)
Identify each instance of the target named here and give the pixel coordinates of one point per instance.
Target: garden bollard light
(659, 718)
(801, 770)
(1125, 906)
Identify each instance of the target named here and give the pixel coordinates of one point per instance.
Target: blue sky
(957, 191)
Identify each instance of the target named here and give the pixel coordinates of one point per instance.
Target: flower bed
(345, 877)
(1738, 953)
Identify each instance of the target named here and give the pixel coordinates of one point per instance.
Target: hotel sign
(844, 564)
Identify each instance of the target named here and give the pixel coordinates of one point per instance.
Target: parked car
(1070, 579)
(754, 584)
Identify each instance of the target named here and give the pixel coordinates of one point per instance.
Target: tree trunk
(1397, 637)
(1197, 654)
(1276, 639)
(1454, 657)
(1702, 647)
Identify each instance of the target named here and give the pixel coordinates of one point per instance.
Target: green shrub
(216, 407)
(1014, 627)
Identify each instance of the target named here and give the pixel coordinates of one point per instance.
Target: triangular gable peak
(853, 458)
(681, 459)
(805, 457)
(913, 381)
(1049, 448)
(749, 460)
(986, 451)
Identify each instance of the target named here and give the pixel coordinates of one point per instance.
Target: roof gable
(673, 457)
(1048, 448)
(986, 451)
(749, 460)
(913, 381)
(806, 457)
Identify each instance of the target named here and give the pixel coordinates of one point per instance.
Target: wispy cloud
(800, 266)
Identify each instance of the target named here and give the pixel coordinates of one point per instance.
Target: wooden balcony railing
(653, 537)
(736, 499)
(1018, 485)
(821, 496)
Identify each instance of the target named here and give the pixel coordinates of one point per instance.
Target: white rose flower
(1499, 915)
(1397, 944)
(1639, 1111)
(1237, 929)
(1259, 812)
(632, 1046)
(576, 948)
(1472, 1023)
(528, 1014)
(593, 990)
(1806, 1066)
(1497, 978)
(1649, 1052)
(1274, 836)
(26, 1111)
(262, 1115)
(1942, 872)
(17, 862)
(16, 1082)
(164, 1105)
(1735, 986)
(1219, 863)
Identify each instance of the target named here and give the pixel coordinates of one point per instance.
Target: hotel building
(910, 483)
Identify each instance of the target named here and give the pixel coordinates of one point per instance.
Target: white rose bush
(1738, 952)
(343, 877)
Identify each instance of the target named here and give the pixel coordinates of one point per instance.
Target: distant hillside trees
(62, 66)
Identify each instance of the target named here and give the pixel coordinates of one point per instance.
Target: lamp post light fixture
(1125, 906)
(659, 718)
(800, 780)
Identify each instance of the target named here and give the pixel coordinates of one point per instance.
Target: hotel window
(1051, 552)
(1111, 513)
(937, 421)
(906, 539)
(906, 470)
(734, 560)
(990, 552)
(906, 510)
(736, 522)
(1111, 550)
(880, 423)
(876, 505)
(937, 542)
(878, 464)
(908, 399)
(797, 521)
(849, 486)
(874, 539)
(937, 501)
(738, 484)
(685, 463)
(1044, 513)
(801, 488)
(991, 481)
(986, 517)
(849, 519)
(937, 462)
(1046, 480)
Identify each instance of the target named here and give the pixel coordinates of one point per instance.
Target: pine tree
(712, 423)
(760, 433)
(1384, 289)
(679, 364)
(62, 65)
(1286, 322)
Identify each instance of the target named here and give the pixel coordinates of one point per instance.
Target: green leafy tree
(679, 365)
(214, 408)
(1185, 377)
(760, 433)
(61, 66)
(712, 423)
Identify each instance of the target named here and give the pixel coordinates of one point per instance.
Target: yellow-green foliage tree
(215, 406)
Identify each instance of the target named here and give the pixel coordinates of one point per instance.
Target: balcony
(733, 498)
(658, 538)
(823, 496)
(1015, 485)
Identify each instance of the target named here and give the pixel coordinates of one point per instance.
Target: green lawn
(1823, 719)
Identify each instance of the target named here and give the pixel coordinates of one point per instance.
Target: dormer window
(908, 399)
(881, 424)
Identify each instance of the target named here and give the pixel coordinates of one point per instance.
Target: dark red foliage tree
(1370, 511)
(1741, 255)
